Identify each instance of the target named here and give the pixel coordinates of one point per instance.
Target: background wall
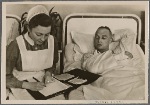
(66, 9)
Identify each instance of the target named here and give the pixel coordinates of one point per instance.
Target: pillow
(12, 29)
(127, 38)
(84, 41)
(113, 45)
(126, 35)
(69, 52)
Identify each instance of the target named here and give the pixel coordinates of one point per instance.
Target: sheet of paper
(53, 87)
(77, 81)
(64, 76)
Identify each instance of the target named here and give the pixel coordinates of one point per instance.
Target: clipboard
(83, 75)
(76, 74)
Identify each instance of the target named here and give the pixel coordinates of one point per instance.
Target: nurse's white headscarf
(39, 9)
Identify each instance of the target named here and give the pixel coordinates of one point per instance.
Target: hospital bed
(79, 28)
(12, 27)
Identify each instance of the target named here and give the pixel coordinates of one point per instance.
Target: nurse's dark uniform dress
(26, 60)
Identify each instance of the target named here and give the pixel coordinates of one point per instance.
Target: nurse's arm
(12, 53)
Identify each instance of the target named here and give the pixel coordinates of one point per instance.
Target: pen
(36, 79)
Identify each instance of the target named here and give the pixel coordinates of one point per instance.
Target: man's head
(102, 39)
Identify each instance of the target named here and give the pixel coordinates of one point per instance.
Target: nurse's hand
(34, 86)
(48, 78)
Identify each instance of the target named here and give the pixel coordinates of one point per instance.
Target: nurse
(32, 56)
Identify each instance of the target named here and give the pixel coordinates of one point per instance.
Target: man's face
(102, 39)
(39, 34)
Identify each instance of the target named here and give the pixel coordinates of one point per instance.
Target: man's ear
(110, 40)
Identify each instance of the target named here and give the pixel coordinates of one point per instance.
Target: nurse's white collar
(29, 40)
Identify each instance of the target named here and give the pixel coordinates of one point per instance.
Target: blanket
(121, 79)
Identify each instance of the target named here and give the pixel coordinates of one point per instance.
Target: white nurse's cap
(39, 9)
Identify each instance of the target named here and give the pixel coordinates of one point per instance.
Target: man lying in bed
(103, 38)
(121, 78)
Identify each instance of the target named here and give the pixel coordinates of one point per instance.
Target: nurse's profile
(33, 55)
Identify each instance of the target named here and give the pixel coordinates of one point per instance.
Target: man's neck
(102, 50)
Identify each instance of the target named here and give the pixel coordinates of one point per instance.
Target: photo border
(3, 58)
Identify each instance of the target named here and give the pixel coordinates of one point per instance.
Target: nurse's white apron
(33, 65)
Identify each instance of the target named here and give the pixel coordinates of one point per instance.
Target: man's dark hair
(104, 27)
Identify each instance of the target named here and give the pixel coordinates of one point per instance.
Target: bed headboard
(13, 27)
(88, 23)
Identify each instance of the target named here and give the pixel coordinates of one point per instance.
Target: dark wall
(143, 30)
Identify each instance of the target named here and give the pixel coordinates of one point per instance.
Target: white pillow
(84, 41)
(126, 35)
(12, 29)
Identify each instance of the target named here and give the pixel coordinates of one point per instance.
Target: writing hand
(48, 79)
(34, 86)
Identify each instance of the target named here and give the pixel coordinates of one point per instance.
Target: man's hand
(130, 56)
(117, 50)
